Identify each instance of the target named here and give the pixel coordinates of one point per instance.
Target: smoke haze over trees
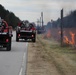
(68, 22)
(11, 19)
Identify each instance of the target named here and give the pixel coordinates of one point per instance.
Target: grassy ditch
(64, 58)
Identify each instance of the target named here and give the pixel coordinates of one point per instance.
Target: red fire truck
(5, 35)
(26, 30)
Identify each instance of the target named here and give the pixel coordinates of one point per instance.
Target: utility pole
(51, 23)
(40, 21)
(42, 18)
(62, 27)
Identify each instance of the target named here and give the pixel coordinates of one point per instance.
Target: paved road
(14, 62)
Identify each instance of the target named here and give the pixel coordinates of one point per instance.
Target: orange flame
(73, 38)
(66, 40)
(48, 34)
(72, 41)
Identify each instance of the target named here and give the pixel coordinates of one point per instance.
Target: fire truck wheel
(9, 45)
(17, 39)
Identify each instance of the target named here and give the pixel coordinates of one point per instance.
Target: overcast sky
(31, 9)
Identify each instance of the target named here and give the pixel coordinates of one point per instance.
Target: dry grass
(46, 57)
(64, 58)
(37, 61)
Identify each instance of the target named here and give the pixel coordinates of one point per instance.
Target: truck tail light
(32, 35)
(18, 35)
(7, 40)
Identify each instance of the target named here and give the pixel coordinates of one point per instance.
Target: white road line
(20, 73)
(21, 70)
(23, 61)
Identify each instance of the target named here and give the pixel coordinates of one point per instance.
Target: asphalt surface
(14, 62)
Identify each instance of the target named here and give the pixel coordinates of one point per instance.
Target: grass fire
(68, 35)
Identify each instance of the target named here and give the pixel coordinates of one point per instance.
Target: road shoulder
(37, 63)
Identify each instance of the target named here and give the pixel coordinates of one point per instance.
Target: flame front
(73, 38)
(47, 34)
(72, 41)
(66, 40)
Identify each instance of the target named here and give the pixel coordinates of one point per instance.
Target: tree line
(8, 16)
(69, 21)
